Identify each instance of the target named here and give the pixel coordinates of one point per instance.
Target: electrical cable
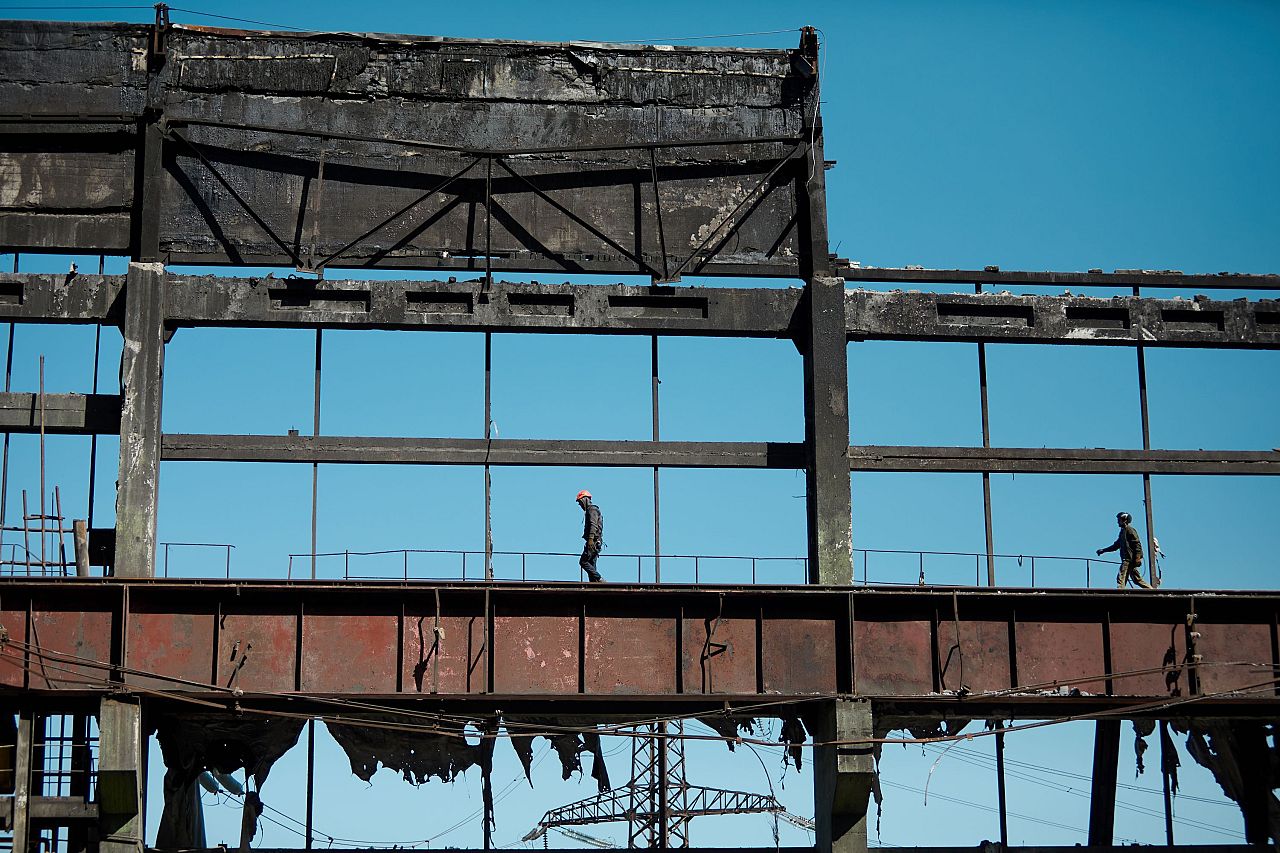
(241, 20)
(619, 729)
(1137, 809)
(984, 807)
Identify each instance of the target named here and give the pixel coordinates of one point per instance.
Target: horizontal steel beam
(473, 306)
(479, 451)
(1121, 321)
(1118, 279)
(704, 454)
(69, 414)
(1038, 460)
(615, 647)
(199, 301)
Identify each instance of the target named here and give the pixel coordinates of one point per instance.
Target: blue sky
(1068, 135)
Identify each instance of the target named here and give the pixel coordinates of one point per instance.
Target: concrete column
(141, 384)
(826, 409)
(22, 793)
(842, 776)
(120, 774)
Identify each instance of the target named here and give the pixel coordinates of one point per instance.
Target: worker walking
(593, 533)
(1130, 548)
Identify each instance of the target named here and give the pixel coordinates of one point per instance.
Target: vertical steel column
(986, 475)
(826, 395)
(657, 518)
(488, 437)
(93, 436)
(660, 788)
(311, 781)
(1000, 790)
(1146, 445)
(1102, 800)
(4, 474)
(315, 431)
(1164, 776)
(81, 762)
(823, 341)
(44, 559)
(141, 389)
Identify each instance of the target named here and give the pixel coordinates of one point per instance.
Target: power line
(231, 18)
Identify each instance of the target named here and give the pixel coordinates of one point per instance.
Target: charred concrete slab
(66, 298)
(488, 155)
(70, 414)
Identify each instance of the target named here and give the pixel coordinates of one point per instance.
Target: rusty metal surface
(1061, 654)
(349, 653)
(628, 644)
(626, 654)
(177, 645)
(718, 655)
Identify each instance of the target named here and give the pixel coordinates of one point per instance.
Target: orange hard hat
(582, 494)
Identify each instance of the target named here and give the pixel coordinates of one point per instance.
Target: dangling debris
(794, 736)
(729, 727)
(568, 745)
(1142, 730)
(221, 742)
(417, 756)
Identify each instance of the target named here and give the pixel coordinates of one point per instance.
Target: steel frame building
(179, 145)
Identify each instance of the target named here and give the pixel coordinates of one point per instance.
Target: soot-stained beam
(201, 301)
(1119, 278)
(1039, 460)
(1004, 318)
(66, 414)
(478, 451)
(473, 306)
(708, 454)
(61, 298)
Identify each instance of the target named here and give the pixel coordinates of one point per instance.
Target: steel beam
(478, 451)
(473, 306)
(70, 414)
(1119, 321)
(1040, 460)
(199, 301)
(1121, 279)
(919, 651)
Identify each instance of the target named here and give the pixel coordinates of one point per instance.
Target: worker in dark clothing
(1130, 548)
(592, 533)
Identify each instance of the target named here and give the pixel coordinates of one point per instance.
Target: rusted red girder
(504, 645)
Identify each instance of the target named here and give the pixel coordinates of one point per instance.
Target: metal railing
(1006, 565)
(905, 568)
(166, 546)
(446, 564)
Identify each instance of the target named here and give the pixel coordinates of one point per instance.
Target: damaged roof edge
(395, 38)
